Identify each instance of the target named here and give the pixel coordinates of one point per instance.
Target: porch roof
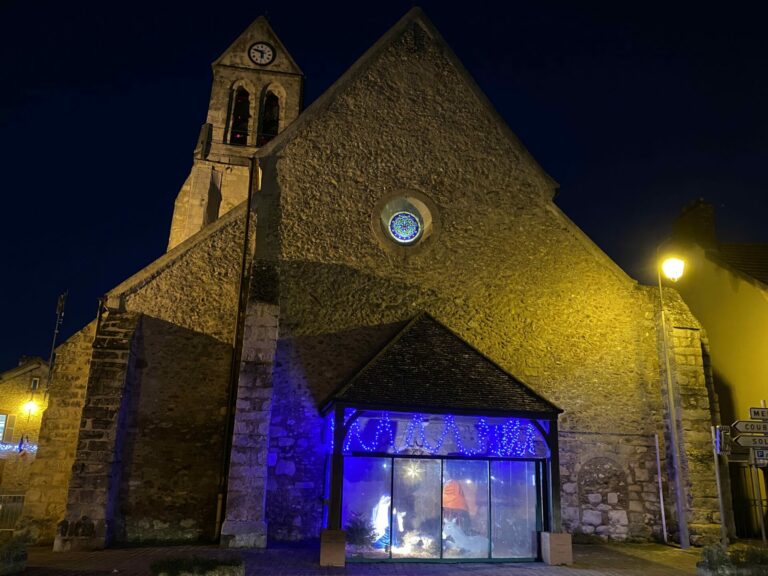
(426, 366)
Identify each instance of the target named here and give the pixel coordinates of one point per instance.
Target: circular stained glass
(404, 227)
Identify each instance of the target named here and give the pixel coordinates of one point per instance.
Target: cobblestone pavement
(592, 560)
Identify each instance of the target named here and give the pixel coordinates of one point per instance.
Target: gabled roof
(414, 17)
(235, 54)
(749, 259)
(426, 366)
(27, 364)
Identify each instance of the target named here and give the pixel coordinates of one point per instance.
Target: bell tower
(257, 92)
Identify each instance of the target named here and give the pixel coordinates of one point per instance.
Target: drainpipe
(680, 495)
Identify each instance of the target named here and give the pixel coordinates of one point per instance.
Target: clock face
(261, 53)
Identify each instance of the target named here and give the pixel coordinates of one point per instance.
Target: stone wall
(169, 445)
(297, 456)
(695, 398)
(508, 272)
(171, 485)
(97, 470)
(195, 286)
(610, 485)
(245, 524)
(211, 190)
(46, 497)
(173, 443)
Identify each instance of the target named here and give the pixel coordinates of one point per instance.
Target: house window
(241, 114)
(7, 422)
(270, 119)
(35, 384)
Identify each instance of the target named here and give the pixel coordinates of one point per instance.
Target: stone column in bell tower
(256, 92)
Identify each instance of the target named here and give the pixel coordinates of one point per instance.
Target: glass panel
(514, 505)
(365, 512)
(416, 508)
(465, 509)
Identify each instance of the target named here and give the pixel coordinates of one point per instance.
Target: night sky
(634, 110)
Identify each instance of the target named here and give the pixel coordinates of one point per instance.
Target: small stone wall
(695, 395)
(245, 525)
(609, 485)
(296, 459)
(49, 475)
(96, 472)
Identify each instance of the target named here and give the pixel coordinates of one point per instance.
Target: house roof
(426, 366)
(27, 364)
(749, 259)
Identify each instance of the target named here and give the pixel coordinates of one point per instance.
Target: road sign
(751, 426)
(761, 454)
(758, 413)
(752, 441)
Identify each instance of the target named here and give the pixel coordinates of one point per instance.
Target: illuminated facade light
(30, 407)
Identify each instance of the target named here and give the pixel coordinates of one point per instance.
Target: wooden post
(332, 539)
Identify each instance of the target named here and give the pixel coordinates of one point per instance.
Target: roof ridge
(414, 15)
(168, 259)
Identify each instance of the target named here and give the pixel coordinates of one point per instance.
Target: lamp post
(673, 269)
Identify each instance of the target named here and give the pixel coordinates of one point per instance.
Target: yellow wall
(734, 311)
(14, 394)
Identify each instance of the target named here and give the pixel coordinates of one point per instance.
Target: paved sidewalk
(592, 560)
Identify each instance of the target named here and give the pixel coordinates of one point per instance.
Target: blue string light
(28, 447)
(512, 438)
(384, 426)
(330, 430)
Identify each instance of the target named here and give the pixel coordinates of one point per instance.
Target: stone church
(373, 317)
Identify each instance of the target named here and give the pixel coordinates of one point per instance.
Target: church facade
(372, 317)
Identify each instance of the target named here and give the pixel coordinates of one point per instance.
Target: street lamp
(673, 268)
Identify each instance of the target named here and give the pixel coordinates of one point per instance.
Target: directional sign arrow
(758, 413)
(752, 441)
(751, 426)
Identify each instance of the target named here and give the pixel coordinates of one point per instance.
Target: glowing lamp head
(673, 268)
(30, 407)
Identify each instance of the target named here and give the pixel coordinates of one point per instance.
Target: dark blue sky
(635, 110)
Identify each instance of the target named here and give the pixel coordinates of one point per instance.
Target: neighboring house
(726, 287)
(373, 316)
(22, 402)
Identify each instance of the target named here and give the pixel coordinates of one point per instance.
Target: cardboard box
(556, 548)
(333, 548)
